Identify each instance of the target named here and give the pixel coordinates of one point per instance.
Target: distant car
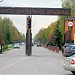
(69, 50)
(16, 45)
(38, 44)
(22, 43)
(69, 64)
(32, 44)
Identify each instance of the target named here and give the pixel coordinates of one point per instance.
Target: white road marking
(12, 64)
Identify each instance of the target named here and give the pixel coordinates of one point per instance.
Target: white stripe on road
(12, 64)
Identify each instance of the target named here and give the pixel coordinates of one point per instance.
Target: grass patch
(7, 47)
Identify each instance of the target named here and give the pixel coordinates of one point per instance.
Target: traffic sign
(70, 24)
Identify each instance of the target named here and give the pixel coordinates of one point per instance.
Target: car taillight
(67, 50)
(73, 61)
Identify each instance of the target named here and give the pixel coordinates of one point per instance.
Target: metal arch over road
(34, 11)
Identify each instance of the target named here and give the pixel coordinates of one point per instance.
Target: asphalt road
(42, 61)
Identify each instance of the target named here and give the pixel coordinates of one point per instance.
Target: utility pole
(28, 36)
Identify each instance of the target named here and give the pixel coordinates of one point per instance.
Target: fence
(52, 48)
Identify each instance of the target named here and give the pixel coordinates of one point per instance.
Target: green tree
(46, 34)
(66, 4)
(22, 38)
(9, 32)
(57, 36)
(38, 36)
(5, 29)
(69, 4)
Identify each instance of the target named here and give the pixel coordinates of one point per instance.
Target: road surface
(42, 61)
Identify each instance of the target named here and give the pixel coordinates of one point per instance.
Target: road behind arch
(42, 61)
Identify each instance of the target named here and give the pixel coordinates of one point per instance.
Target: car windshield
(68, 47)
(16, 44)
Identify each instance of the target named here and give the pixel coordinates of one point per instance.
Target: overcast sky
(38, 21)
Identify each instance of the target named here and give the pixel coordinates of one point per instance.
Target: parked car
(23, 43)
(69, 50)
(65, 45)
(16, 45)
(69, 64)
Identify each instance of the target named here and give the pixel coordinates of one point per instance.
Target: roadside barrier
(44, 45)
(52, 48)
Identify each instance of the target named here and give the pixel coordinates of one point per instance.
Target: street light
(1, 0)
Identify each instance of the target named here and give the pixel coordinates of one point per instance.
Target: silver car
(16, 45)
(69, 63)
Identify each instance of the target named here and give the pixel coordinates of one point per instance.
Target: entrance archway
(33, 11)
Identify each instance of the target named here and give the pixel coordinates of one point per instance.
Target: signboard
(34, 11)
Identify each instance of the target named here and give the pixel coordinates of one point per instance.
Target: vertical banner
(74, 38)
